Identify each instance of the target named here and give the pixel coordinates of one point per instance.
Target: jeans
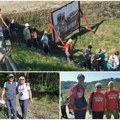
(11, 108)
(115, 113)
(24, 107)
(97, 115)
(80, 114)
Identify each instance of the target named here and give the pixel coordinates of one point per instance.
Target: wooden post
(53, 34)
(57, 34)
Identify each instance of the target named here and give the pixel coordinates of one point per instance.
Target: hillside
(103, 17)
(89, 86)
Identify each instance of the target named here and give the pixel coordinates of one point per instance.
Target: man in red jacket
(112, 98)
(68, 50)
(74, 93)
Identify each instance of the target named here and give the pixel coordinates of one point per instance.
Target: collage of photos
(59, 59)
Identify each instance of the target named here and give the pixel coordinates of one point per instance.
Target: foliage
(65, 86)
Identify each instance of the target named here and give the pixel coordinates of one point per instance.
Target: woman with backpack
(96, 102)
(77, 100)
(25, 95)
(113, 62)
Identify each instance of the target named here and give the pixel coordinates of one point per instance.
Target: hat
(21, 78)
(80, 75)
(45, 32)
(10, 75)
(98, 84)
(27, 25)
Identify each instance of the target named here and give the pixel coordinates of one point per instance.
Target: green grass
(2, 114)
(45, 108)
(29, 60)
(106, 37)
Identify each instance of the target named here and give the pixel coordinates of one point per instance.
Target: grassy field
(39, 109)
(106, 37)
(104, 21)
(90, 87)
(27, 59)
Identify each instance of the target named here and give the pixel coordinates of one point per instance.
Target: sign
(66, 19)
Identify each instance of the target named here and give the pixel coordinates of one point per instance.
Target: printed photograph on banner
(59, 36)
(90, 95)
(26, 95)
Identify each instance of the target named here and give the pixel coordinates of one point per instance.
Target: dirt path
(88, 116)
(41, 109)
(31, 113)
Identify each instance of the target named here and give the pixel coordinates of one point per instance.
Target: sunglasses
(10, 77)
(99, 87)
(21, 79)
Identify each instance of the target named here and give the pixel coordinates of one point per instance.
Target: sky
(89, 76)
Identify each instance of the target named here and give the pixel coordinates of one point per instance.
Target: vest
(10, 91)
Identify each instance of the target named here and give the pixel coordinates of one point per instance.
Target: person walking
(2, 24)
(25, 95)
(113, 62)
(45, 43)
(27, 35)
(87, 56)
(12, 31)
(77, 100)
(112, 101)
(9, 90)
(68, 50)
(96, 102)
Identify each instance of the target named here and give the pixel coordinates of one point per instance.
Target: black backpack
(80, 102)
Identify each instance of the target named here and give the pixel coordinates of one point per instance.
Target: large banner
(66, 19)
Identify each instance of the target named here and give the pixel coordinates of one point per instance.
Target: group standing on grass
(98, 103)
(95, 61)
(32, 39)
(10, 89)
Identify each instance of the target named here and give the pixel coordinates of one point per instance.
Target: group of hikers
(30, 36)
(10, 90)
(98, 103)
(96, 61)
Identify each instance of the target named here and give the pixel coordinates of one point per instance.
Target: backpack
(113, 62)
(80, 102)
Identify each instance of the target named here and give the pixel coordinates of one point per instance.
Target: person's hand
(7, 27)
(31, 100)
(1, 99)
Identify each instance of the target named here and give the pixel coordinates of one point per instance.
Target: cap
(10, 75)
(45, 32)
(27, 25)
(98, 84)
(80, 75)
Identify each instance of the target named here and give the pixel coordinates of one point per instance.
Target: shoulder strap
(92, 99)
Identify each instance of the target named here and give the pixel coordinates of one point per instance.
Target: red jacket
(74, 94)
(68, 48)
